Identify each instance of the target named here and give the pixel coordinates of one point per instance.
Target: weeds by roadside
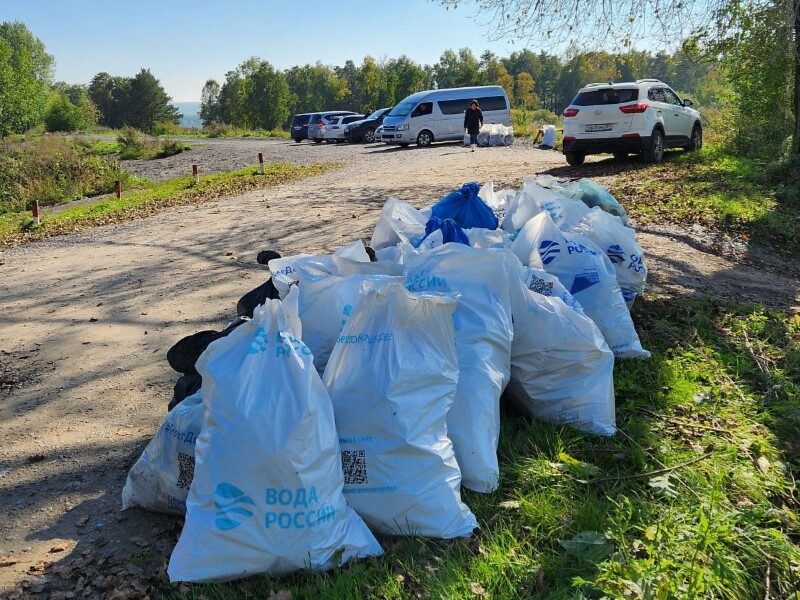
(151, 198)
(52, 170)
(133, 144)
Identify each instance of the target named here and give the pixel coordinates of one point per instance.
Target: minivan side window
(423, 109)
(454, 107)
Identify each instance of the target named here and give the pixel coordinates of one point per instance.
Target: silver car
(320, 120)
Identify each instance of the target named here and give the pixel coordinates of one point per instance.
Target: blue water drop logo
(548, 250)
(616, 254)
(230, 503)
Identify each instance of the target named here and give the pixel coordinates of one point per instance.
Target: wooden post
(118, 188)
(196, 174)
(35, 211)
(261, 162)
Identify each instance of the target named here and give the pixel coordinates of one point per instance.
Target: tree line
(256, 95)
(29, 97)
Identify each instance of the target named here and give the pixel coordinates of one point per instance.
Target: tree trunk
(796, 137)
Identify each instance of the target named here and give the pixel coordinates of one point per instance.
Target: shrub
(53, 170)
(169, 128)
(131, 143)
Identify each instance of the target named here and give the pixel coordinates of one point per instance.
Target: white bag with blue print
(267, 490)
(483, 331)
(587, 273)
(392, 378)
(160, 479)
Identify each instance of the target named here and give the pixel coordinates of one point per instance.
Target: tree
(524, 93)
(69, 108)
(26, 71)
(266, 98)
(713, 27)
(209, 103)
(149, 104)
(110, 96)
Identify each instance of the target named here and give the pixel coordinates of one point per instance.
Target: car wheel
(317, 141)
(655, 153)
(575, 159)
(425, 138)
(369, 135)
(298, 140)
(620, 155)
(328, 141)
(696, 141)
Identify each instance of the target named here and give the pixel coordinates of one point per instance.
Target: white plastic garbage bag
(498, 201)
(562, 370)
(267, 490)
(620, 245)
(530, 200)
(324, 305)
(546, 284)
(483, 341)
(398, 222)
(160, 479)
(549, 138)
(392, 378)
(588, 275)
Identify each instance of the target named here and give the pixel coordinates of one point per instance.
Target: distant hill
(190, 111)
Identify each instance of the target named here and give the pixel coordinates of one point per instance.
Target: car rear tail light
(639, 107)
(571, 112)
(569, 138)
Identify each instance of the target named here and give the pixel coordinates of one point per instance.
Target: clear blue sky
(184, 43)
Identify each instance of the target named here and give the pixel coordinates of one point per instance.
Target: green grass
(720, 396)
(16, 227)
(755, 201)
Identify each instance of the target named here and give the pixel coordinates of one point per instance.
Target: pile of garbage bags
(493, 134)
(359, 391)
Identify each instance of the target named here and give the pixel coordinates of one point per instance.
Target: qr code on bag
(536, 284)
(354, 465)
(185, 470)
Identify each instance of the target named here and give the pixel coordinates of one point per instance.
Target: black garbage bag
(183, 356)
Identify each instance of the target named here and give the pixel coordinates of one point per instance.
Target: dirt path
(86, 320)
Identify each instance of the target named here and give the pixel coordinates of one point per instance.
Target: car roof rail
(600, 83)
(649, 81)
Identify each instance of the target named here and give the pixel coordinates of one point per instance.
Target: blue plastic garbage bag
(451, 232)
(466, 208)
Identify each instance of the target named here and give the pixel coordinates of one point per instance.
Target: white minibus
(438, 115)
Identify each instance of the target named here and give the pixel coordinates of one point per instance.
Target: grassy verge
(717, 190)
(154, 197)
(693, 498)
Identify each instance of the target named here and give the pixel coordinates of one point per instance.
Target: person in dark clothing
(473, 121)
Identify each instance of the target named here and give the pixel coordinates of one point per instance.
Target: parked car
(364, 130)
(299, 126)
(644, 117)
(438, 115)
(334, 132)
(319, 120)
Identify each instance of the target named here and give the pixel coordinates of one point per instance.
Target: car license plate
(599, 127)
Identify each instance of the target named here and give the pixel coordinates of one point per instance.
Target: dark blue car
(299, 126)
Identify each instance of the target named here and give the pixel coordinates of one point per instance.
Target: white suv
(643, 117)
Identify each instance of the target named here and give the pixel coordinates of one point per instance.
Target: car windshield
(606, 96)
(376, 114)
(402, 109)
